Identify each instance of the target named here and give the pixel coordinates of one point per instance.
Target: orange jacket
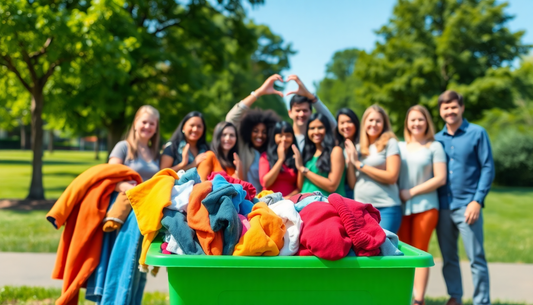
(83, 206)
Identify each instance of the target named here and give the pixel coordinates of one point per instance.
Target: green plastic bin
(305, 280)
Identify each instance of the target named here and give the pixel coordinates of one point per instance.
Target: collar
(462, 128)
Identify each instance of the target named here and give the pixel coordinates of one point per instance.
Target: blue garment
(117, 280)
(390, 246)
(190, 175)
(300, 205)
(176, 224)
(391, 218)
(253, 173)
(223, 216)
(470, 166)
(451, 223)
(177, 154)
(242, 206)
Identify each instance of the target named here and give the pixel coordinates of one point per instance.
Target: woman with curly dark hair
(277, 169)
(187, 146)
(322, 166)
(253, 129)
(223, 154)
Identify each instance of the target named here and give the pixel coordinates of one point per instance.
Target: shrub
(513, 157)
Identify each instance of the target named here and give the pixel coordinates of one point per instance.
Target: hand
(199, 158)
(268, 86)
(351, 151)
(125, 186)
(185, 155)
(405, 195)
(281, 152)
(297, 157)
(302, 90)
(472, 212)
(237, 162)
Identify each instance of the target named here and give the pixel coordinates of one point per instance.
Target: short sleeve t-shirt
(417, 168)
(368, 190)
(142, 167)
(309, 187)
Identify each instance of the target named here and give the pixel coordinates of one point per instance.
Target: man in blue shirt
(470, 175)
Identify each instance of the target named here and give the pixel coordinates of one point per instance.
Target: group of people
(430, 180)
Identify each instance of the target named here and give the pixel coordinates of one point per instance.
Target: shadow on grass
(45, 162)
(62, 174)
(510, 189)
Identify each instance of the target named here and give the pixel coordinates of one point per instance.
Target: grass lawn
(38, 295)
(507, 217)
(59, 169)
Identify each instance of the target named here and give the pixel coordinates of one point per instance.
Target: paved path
(509, 282)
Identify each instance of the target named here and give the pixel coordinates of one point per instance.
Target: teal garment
(417, 168)
(309, 187)
(177, 155)
(368, 190)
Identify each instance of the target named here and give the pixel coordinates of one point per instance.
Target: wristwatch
(305, 170)
(361, 164)
(254, 94)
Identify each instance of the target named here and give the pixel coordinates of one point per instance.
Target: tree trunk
(114, 134)
(36, 186)
(51, 141)
(22, 135)
(97, 146)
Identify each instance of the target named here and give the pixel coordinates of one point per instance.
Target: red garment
(285, 183)
(361, 222)
(247, 186)
(323, 233)
(81, 208)
(164, 249)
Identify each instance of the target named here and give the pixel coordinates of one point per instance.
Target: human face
(417, 124)
(374, 125)
(346, 127)
(145, 126)
(300, 114)
(285, 138)
(452, 113)
(259, 135)
(316, 132)
(228, 139)
(193, 129)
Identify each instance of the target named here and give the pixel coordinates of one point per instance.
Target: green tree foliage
(338, 88)
(429, 46)
(88, 64)
(512, 159)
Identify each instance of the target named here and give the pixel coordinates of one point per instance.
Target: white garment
(179, 197)
(174, 247)
(293, 223)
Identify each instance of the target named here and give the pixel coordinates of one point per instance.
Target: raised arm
(319, 106)
(237, 112)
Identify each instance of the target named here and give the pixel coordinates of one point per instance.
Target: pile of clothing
(224, 216)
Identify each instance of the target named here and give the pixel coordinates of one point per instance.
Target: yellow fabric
(148, 200)
(263, 194)
(265, 236)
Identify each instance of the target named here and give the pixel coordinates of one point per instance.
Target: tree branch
(27, 59)
(166, 27)
(13, 69)
(43, 49)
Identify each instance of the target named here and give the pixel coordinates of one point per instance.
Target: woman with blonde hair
(377, 161)
(140, 149)
(423, 170)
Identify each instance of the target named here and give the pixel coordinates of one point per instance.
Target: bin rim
(413, 258)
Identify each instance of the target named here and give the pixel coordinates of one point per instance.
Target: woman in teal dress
(321, 165)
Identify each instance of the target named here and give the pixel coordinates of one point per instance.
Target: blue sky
(318, 28)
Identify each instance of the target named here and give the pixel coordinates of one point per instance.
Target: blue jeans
(391, 218)
(451, 224)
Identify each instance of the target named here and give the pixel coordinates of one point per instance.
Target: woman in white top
(423, 170)
(377, 161)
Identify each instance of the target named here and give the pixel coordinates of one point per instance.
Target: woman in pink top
(277, 170)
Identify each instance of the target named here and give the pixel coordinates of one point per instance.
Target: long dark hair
(323, 163)
(272, 148)
(355, 120)
(253, 118)
(216, 147)
(178, 135)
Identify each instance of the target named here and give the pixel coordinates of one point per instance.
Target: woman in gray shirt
(140, 150)
(423, 170)
(377, 162)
